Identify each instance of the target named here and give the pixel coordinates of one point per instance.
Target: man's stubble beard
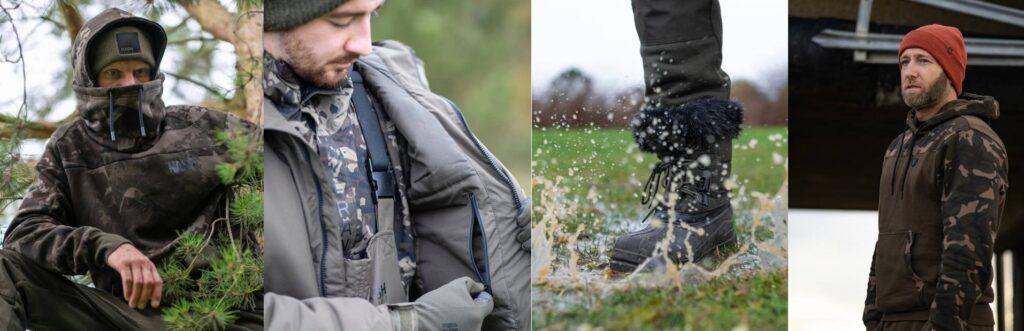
(931, 95)
(301, 59)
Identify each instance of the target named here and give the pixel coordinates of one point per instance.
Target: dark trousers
(35, 298)
(681, 48)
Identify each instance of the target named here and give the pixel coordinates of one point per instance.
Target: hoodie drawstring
(906, 165)
(110, 114)
(899, 153)
(142, 125)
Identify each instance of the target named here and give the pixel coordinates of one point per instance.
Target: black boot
(689, 122)
(695, 147)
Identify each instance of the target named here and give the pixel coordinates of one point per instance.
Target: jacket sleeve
(288, 313)
(973, 191)
(871, 315)
(44, 228)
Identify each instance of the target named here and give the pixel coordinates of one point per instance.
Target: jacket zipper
(323, 225)
(483, 275)
(490, 160)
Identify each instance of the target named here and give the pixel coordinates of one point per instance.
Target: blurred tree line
(476, 53)
(572, 101)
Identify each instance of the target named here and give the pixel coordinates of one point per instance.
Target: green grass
(603, 172)
(757, 302)
(609, 158)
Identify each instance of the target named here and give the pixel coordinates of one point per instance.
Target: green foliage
(476, 53)
(17, 175)
(248, 209)
(217, 272)
(203, 314)
(755, 302)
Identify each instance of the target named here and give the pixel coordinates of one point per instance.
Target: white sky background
(599, 38)
(45, 55)
(829, 259)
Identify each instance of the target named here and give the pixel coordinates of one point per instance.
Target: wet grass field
(586, 191)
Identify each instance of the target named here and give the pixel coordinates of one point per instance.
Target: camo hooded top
(99, 188)
(941, 197)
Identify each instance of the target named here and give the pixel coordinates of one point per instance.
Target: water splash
(576, 224)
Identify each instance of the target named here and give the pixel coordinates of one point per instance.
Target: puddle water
(573, 233)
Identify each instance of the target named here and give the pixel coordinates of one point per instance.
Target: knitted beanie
(946, 45)
(122, 43)
(281, 15)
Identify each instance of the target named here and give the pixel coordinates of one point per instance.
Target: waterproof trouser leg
(35, 298)
(681, 48)
(32, 297)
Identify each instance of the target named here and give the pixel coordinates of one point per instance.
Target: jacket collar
(287, 93)
(984, 107)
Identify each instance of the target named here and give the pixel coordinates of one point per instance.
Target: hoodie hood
(982, 106)
(123, 118)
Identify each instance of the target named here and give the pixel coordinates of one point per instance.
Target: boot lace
(662, 176)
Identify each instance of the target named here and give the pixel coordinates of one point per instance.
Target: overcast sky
(598, 37)
(829, 259)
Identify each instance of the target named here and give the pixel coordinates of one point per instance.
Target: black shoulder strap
(383, 183)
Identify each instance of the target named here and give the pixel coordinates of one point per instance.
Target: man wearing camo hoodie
(115, 187)
(940, 199)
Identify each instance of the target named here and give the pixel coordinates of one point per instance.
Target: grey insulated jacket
(464, 208)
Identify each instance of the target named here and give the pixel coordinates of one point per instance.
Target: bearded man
(115, 189)
(383, 211)
(940, 199)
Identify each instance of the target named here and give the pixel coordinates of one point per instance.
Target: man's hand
(453, 306)
(139, 279)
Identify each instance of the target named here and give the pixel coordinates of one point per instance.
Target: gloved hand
(449, 307)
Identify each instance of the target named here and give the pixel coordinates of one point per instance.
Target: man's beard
(929, 96)
(300, 58)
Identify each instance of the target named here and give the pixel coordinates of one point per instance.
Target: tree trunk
(245, 32)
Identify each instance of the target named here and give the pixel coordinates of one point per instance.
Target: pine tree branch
(10, 125)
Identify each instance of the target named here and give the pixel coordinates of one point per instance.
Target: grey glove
(450, 307)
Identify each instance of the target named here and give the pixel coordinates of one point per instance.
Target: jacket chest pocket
(899, 286)
(375, 278)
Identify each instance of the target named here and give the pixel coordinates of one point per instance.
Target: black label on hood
(128, 43)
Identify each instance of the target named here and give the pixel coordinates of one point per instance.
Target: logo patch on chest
(177, 167)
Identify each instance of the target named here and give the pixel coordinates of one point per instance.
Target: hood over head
(123, 118)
